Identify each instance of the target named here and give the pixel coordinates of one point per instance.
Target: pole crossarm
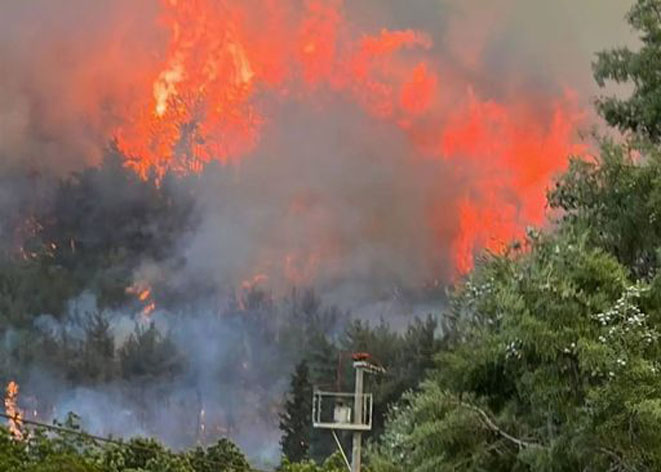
(335, 410)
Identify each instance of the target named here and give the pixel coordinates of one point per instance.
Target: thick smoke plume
(366, 148)
(443, 81)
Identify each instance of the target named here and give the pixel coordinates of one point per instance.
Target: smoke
(77, 74)
(327, 201)
(335, 192)
(223, 386)
(70, 69)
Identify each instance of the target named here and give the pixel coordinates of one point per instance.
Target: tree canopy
(640, 113)
(554, 364)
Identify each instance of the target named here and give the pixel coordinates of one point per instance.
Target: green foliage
(333, 463)
(295, 419)
(223, 452)
(91, 360)
(554, 362)
(616, 202)
(148, 354)
(640, 113)
(554, 368)
(56, 451)
(28, 287)
(551, 362)
(406, 356)
(104, 220)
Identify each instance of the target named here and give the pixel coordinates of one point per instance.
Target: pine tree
(295, 420)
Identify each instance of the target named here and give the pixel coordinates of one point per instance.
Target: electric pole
(357, 419)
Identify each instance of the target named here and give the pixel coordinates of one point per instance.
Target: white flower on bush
(513, 350)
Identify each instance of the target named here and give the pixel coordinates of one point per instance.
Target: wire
(62, 429)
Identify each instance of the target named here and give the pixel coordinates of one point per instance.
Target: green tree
(147, 354)
(70, 449)
(405, 356)
(615, 201)
(295, 422)
(641, 112)
(555, 367)
(224, 453)
(90, 360)
(333, 463)
(322, 364)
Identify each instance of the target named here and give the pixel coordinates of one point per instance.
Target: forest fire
(205, 203)
(207, 102)
(14, 422)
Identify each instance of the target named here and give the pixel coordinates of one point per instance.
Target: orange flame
(15, 420)
(251, 283)
(143, 293)
(204, 105)
(148, 310)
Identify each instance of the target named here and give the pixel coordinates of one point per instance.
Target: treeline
(66, 448)
(88, 234)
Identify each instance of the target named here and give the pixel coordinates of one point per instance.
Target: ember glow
(11, 409)
(143, 293)
(207, 102)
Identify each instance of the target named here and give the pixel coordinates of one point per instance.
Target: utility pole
(357, 418)
(333, 410)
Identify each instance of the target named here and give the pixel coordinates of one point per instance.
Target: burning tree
(13, 412)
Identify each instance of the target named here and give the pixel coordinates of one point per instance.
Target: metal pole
(339, 447)
(357, 419)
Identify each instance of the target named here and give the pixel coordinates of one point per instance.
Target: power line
(117, 442)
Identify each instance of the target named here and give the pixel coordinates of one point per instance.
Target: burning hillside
(226, 68)
(171, 169)
(182, 84)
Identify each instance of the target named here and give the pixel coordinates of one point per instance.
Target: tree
(641, 112)
(555, 367)
(295, 419)
(405, 356)
(92, 359)
(223, 452)
(614, 201)
(322, 362)
(147, 354)
(72, 450)
(333, 463)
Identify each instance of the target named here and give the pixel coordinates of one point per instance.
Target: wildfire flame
(11, 409)
(143, 293)
(204, 105)
(251, 283)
